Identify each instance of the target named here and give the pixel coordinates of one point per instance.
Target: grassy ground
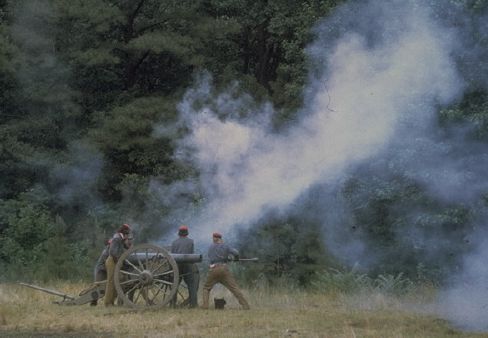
(29, 313)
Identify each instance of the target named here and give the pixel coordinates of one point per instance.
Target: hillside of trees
(84, 82)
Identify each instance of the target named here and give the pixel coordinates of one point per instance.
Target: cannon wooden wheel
(146, 276)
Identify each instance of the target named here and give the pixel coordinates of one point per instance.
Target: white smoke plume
(465, 302)
(381, 72)
(367, 92)
(77, 177)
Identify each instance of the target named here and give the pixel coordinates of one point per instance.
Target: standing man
(218, 272)
(100, 272)
(188, 271)
(118, 244)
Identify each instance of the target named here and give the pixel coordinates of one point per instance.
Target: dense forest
(90, 106)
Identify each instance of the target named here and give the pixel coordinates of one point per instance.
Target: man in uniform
(118, 244)
(188, 271)
(100, 272)
(218, 272)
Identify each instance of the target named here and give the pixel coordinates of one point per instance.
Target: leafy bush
(34, 244)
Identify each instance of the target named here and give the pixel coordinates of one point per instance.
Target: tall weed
(391, 284)
(348, 282)
(334, 280)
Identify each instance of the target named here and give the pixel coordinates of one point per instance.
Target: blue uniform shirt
(219, 253)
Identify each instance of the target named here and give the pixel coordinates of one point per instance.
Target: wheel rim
(146, 276)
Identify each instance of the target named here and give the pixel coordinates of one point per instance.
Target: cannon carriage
(145, 276)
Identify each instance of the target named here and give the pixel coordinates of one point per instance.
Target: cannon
(145, 276)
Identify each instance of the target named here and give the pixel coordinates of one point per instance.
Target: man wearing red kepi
(188, 271)
(218, 272)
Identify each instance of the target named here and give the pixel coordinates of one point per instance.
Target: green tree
(473, 109)
(403, 227)
(269, 43)
(126, 135)
(42, 113)
(119, 50)
(25, 227)
(292, 249)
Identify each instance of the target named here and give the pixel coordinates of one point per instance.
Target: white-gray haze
(465, 303)
(368, 91)
(77, 177)
(381, 71)
(46, 80)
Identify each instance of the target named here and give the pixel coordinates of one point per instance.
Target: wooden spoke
(129, 273)
(164, 273)
(132, 265)
(129, 281)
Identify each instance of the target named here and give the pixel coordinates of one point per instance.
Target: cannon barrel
(179, 258)
(187, 258)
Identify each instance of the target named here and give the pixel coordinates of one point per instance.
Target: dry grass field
(29, 313)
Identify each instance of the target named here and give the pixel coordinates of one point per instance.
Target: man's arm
(116, 248)
(234, 253)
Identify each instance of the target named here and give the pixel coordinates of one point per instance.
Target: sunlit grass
(274, 313)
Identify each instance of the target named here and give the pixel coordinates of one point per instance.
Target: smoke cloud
(380, 73)
(465, 302)
(50, 102)
(77, 177)
(369, 89)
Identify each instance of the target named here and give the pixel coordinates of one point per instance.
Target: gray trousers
(190, 275)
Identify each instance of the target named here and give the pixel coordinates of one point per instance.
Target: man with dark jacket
(100, 273)
(100, 270)
(218, 272)
(188, 271)
(118, 244)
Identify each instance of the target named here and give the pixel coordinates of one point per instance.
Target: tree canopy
(84, 82)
